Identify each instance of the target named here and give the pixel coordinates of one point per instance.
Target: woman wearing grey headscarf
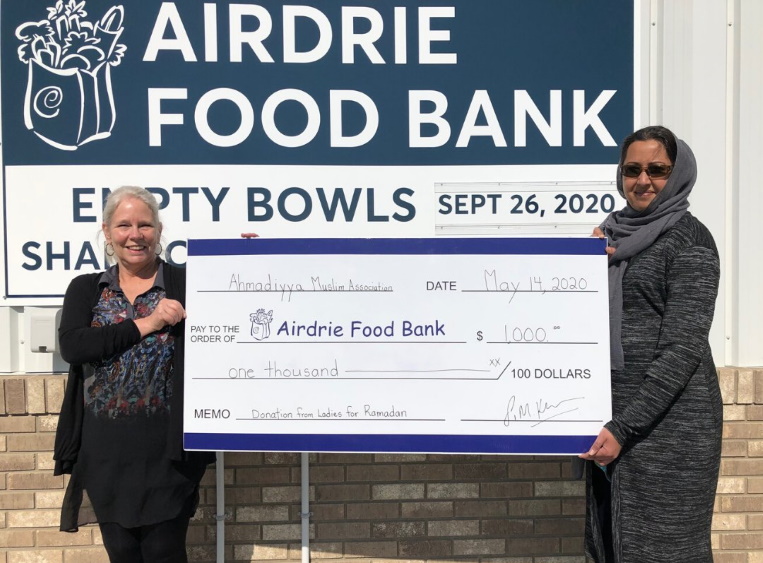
(653, 469)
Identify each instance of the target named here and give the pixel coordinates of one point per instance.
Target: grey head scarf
(631, 232)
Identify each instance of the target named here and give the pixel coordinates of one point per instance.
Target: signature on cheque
(538, 411)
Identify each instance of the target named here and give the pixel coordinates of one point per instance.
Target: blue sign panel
(457, 82)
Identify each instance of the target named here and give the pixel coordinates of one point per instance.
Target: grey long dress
(667, 408)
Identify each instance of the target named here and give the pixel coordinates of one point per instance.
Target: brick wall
(383, 507)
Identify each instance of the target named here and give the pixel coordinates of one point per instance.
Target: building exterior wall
(700, 69)
(377, 507)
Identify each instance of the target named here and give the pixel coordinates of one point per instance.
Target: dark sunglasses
(655, 170)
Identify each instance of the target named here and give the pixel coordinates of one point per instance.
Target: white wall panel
(9, 357)
(747, 215)
(692, 102)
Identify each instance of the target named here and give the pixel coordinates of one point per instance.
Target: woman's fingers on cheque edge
(604, 449)
(598, 233)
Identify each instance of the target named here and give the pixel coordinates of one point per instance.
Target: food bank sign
(310, 119)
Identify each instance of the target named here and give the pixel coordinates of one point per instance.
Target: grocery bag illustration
(69, 100)
(261, 324)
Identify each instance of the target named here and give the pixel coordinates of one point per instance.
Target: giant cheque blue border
(398, 443)
(406, 246)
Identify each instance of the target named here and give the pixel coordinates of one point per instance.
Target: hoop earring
(159, 249)
(106, 248)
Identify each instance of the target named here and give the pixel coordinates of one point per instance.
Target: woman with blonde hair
(120, 428)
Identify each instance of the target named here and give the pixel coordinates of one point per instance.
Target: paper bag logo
(69, 101)
(261, 324)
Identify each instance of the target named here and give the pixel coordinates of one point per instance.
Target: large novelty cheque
(397, 345)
